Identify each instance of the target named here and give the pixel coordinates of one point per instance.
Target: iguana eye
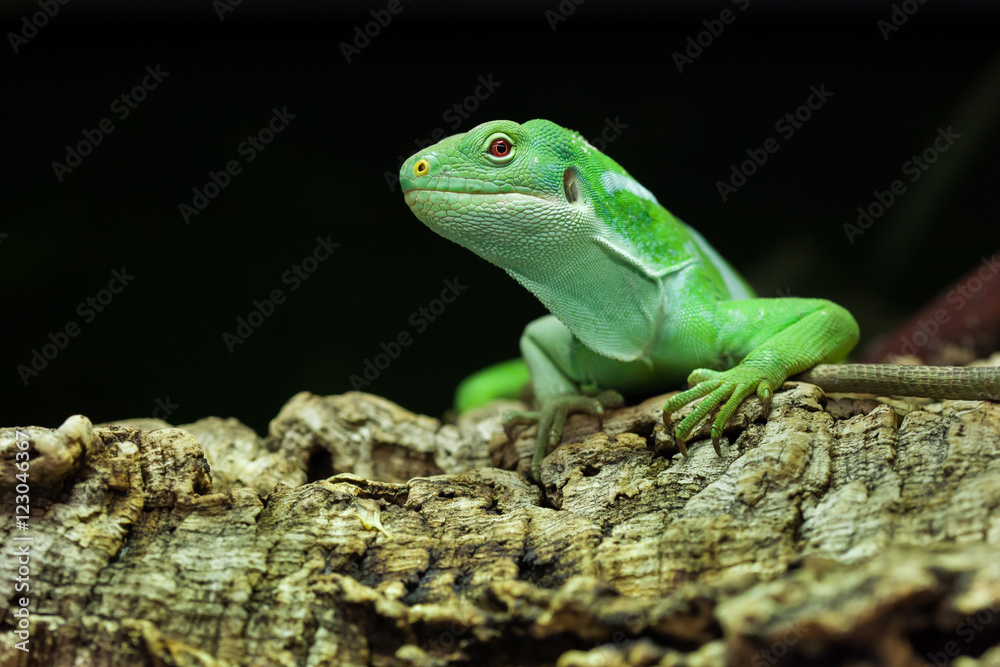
(500, 148)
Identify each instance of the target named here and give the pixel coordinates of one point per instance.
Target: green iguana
(639, 300)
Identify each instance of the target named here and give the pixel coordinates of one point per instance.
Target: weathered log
(842, 530)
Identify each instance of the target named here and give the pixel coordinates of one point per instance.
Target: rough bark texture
(849, 531)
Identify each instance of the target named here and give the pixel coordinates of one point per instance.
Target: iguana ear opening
(570, 187)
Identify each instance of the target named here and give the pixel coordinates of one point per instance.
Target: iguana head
(564, 220)
(514, 193)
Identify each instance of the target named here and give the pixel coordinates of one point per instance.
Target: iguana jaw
(416, 201)
(513, 230)
(483, 222)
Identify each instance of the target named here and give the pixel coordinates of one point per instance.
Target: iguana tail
(952, 382)
(503, 380)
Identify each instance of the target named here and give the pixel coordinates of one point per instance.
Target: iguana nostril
(421, 167)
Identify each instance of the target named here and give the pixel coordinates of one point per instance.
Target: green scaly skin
(639, 301)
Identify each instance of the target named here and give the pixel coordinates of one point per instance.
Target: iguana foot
(736, 384)
(551, 417)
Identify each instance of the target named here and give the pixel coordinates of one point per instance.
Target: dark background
(160, 339)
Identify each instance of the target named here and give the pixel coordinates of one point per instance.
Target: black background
(161, 338)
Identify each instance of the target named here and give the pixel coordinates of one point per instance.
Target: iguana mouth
(410, 196)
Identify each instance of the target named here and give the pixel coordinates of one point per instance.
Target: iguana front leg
(553, 357)
(776, 338)
(550, 417)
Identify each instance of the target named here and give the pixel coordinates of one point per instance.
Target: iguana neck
(603, 295)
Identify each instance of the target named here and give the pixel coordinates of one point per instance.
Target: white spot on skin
(536, 160)
(614, 182)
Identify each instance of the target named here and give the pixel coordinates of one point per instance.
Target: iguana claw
(551, 417)
(514, 418)
(726, 388)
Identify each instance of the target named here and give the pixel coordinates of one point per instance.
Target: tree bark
(839, 530)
